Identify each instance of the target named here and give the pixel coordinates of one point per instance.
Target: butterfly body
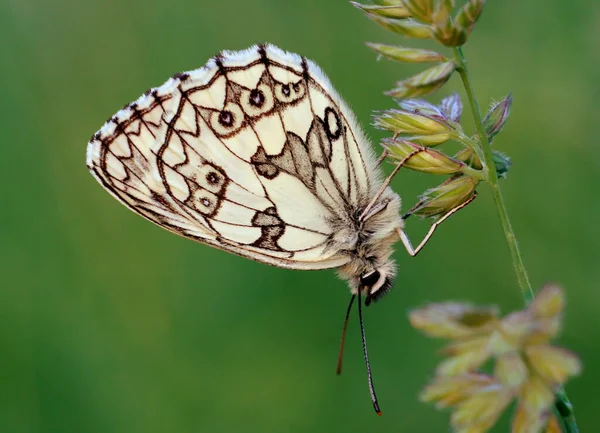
(256, 154)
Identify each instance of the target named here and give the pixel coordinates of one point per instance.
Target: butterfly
(256, 154)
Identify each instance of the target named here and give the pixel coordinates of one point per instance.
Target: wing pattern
(255, 153)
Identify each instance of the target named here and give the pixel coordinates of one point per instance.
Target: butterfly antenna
(364, 343)
(338, 370)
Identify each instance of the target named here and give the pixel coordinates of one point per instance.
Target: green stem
(563, 406)
(565, 410)
(492, 179)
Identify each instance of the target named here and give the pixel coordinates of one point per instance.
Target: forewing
(254, 153)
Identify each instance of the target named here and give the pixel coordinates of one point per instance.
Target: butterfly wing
(255, 153)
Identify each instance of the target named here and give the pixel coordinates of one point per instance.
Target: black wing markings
(171, 128)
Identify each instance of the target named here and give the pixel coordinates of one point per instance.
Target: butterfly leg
(386, 183)
(380, 160)
(407, 244)
(385, 153)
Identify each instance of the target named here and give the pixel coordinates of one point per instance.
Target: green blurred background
(109, 324)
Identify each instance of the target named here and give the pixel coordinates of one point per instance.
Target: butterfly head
(372, 276)
(376, 283)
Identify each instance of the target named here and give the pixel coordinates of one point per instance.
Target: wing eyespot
(258, 101)
(257, 98)
(228, 120)
(212, 178)
(290, 92)
(333, 124)
(204, 202)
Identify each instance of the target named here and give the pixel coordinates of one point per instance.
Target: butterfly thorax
(370, 239)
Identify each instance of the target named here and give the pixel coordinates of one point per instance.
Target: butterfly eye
(370, 279)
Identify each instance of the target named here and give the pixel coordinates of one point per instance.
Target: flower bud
(421, 9)
(516, 327)
(479, 411)
(454, 32)
(511, 370)
(441, 12)
(454, 320)
(501, 162)
(407, 55)
(495, 119)
(445, 197)
(421, 106)
(414, 126)
(452, 107)
(528, 420)
(426, 160)
(553, 364)
(467, 156)
(536, 395)
(465, 355)
(467, 17)
(388, 2)
(451, 390)
(548, 303)
(406, 27)
(423, 83)
(444, 30)
(390, 11)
